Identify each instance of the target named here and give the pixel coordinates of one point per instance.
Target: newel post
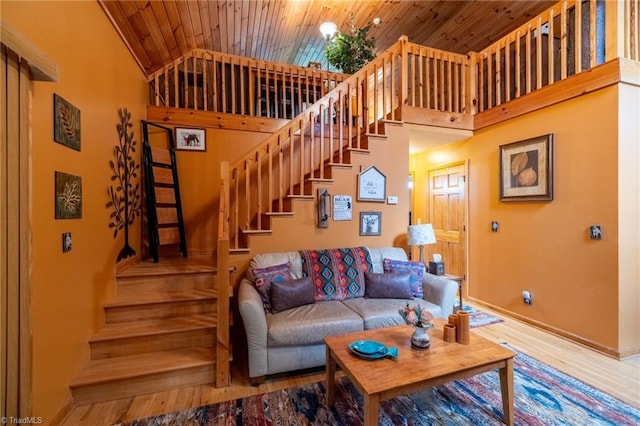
(403, 81)
(222, 282)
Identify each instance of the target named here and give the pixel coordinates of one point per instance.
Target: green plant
(351, 52)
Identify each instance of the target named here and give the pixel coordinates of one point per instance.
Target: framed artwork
(370, 223)
(372, 185)
(526, 170)
(342, 207)
(66, 123)
(191, 139)
(68, 192)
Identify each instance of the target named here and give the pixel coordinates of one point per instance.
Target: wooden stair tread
(153, 327)
(342, 165)
(170, 265)
(282, 214)
(256, 231)
(161, 297)
(140, 365)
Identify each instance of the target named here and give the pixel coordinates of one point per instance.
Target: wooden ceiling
(287, 31)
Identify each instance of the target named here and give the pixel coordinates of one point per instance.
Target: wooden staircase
(159, 332)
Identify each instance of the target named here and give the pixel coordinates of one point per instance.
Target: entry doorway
(447, 213)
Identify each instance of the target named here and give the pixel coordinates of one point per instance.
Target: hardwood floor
(618, 378)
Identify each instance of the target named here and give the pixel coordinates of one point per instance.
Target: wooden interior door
(447, 213)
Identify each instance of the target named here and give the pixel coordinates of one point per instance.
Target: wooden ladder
(164, 209)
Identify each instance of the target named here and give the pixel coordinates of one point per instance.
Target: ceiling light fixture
(328, 30)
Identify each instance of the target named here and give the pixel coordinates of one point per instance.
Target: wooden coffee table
(414, 369)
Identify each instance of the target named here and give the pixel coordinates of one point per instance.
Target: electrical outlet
(66, 242)
(526, 297)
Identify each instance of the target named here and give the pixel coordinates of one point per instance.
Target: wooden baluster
(384, 88)
(247, 193)
(375, 99)
(481, 85)
(232, 77)
(341, 119)
(166, 87)
(205, 83)
(312, 143)
(507, 70)
(292, 95)
(539, 53)
(490, 79)
(449, 85)
(214, 83)
(456, 86)
(302, 161)
(269, 176)
(280, 175)
(176, 85)
(156, 89)
(268, 89)
(236, 207)
(394, 110)
(321, 114)
(185, 82)
(283, 94)
(259, 194)
(353, 105)
(299, 85)
(518, 59)
(498, 76)
(223, 79)
(332, 117)
(593, 34)
(291, 162)
(550, 51)
(427, 78)
(563, 41)
(578, 37)
(195, 81)
(528, 61)
(441, 88)
(241, 67)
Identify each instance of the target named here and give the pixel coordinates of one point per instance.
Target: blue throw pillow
(415, 268)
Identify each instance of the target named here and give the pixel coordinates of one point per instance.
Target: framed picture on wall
(370, 223)
(191, 139)
(526, 170)
(372, 185)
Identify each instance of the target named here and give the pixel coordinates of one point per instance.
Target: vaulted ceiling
(287, 31)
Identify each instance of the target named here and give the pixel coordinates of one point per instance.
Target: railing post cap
(404, 38)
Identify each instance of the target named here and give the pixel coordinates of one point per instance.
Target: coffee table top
(413, 366)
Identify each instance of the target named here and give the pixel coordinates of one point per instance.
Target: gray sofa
(293, 339)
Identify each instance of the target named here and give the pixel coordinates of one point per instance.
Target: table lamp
(419, 235)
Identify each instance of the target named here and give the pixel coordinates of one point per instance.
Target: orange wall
(544, 247)
(98, 75)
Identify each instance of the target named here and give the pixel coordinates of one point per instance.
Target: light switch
(392, 199)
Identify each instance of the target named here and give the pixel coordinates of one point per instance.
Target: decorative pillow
(394, 285)
(264, 278)
(291, 294)
(415, 268)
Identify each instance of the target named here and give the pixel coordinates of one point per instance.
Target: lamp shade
(418, 235)
(328, 30)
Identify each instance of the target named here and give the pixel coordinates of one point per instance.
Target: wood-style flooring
(618, 378)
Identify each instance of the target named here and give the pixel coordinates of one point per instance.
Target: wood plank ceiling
(287, 31)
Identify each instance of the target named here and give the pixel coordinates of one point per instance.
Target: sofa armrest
(255, 326)
(440, 291)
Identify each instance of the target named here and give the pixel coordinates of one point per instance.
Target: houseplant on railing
(350, 52)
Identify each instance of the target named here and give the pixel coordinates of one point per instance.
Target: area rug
(543, 396)
(478, 318)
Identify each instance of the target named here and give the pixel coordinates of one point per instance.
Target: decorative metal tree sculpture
(125, 199)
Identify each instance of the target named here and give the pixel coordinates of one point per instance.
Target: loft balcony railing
(211, 81)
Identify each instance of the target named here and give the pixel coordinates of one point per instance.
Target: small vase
(420, 338)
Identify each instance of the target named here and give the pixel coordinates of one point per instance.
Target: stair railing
(211, 81)
(264, 181)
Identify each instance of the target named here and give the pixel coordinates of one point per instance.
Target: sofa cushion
(337, 274)
(264, 260)
(264, 277)
(415, 268)
(394, 285)
(377, 313)
(310, 324)
(291, 294)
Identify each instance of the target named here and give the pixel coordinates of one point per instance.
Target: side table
(459, 281)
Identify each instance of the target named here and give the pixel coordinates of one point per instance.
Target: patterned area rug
(478, 318)
(543, 396)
